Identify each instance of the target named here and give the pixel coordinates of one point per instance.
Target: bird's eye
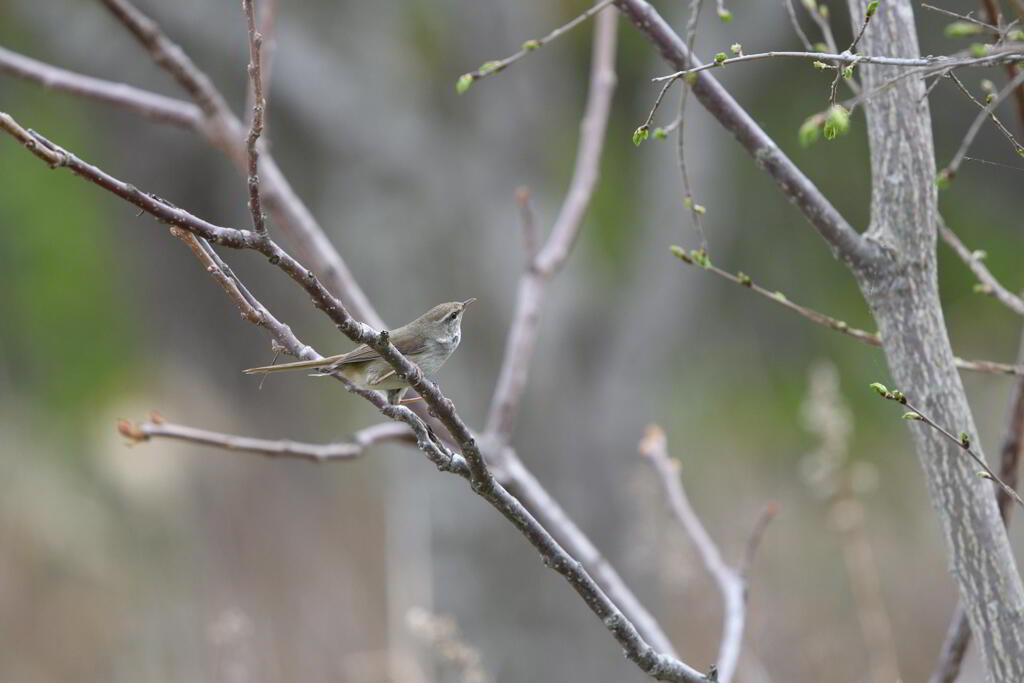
(453, 316)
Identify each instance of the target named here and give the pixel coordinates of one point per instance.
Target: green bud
(531, 45)
(879, 388)
(979, 49)
(745, 279)
(897, 395)
(779, 296)
(699, 208)
(965, 439)
(720, 57)
(820, 47)
(980, 288)
(979, 254)
(841, 325)
(488, 67)
(848, 73)
(688, 203)
(944, 179)
(959, 29)
(660, 133)
(811, 5)
(680, 253)
(823, 11)
(462, 85)
(820, 66)
(872, 8)
(639, 135)
(725, 15)
(912, 416)
(987, 85)
(837, 121)
(736, 48)
(989, 97)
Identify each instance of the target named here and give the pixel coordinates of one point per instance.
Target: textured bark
(902, 289)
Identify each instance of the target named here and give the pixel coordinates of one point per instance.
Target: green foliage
(837, 122)
(531, 45)
(872, 8)
(720, 57)
(725, 15)
(639, 135)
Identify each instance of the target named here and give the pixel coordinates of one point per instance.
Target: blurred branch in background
(441, 634)
(731, 581)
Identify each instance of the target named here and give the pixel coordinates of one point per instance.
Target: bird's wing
(357, 355)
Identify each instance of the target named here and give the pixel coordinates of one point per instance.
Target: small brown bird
(427, 341)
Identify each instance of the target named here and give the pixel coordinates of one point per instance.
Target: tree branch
(731, 582)
(157, 428)
(259, 104)
(553, 254)
(988, 283)
(846, 244)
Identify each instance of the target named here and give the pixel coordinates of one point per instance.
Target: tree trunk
(901, 288)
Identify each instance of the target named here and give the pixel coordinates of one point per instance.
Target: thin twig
(731, 582)
(528, 226)
(975, 127)
(942, 62)
(818, 17)
(804, 40)
(259, 104)
(552, 256)
(156, 427)
(963, 441)
(988, 283)
(493, 67)
(694, 210)
(870, 338)
(962, 17)
(995, 119)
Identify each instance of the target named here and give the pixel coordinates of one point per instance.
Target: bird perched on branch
(427, 341)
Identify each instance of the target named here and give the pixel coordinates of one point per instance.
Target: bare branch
(256, 124)
(995, 119)
(157, 428)
(731, 582)
(551, 257)
(845, 242)
(973, 260)
(975, 127)
(804, 40)
(143, 102)
(1008, 56)
(962, 17)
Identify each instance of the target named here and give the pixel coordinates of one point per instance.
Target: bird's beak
(467, 302)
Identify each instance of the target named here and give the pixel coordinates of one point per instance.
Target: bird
(427, 341)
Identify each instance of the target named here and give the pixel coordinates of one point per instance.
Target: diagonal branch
(553, 254)
(472, 468)
(846, 244)
(988, 283)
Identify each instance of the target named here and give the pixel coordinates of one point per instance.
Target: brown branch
(731, 582)
(846, 243)
(473, 468)
(156, 427)
(963, 441)
(256, 124)
(975, 127)
(988, 283)
(143, 102)
(553, 254)
(1012, 69)
(870, 338)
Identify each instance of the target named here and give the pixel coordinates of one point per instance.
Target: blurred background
(167, 561)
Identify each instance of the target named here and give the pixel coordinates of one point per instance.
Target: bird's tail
(283, 367)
